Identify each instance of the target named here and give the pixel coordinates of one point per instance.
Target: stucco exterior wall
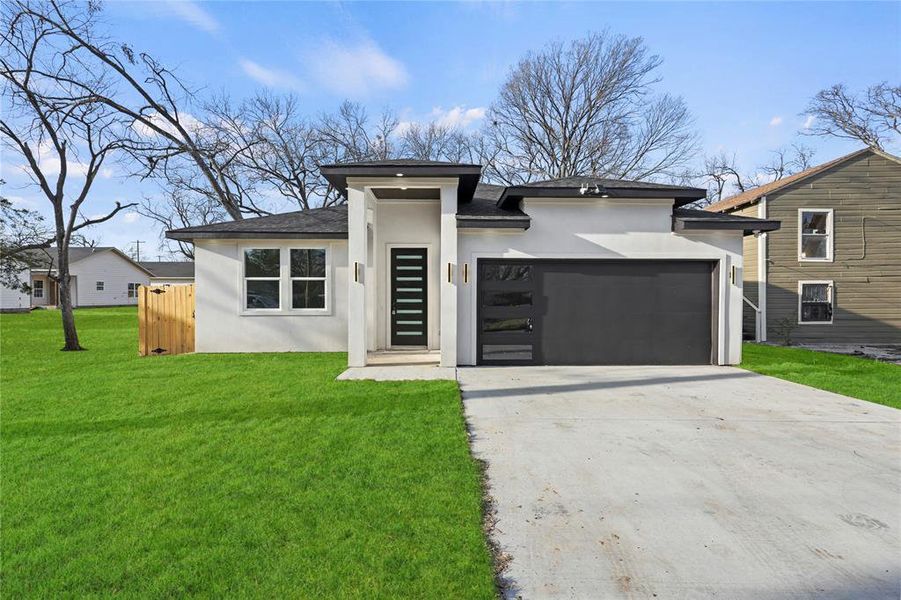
(398, 224)
(114, 271)
(612, 229)
(221, 326)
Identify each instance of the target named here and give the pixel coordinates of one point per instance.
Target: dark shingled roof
(317, 223)
(467, 175)
(170, 269)
(483, 210)
(569, 187)
(690, 219)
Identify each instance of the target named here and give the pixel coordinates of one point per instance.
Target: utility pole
(137, 244)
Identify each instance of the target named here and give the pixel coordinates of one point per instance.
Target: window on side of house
(814, 234)
(133, 290)
(309, 282)
(100, 286)
(815, 302)
(38, 288)
(262, 279)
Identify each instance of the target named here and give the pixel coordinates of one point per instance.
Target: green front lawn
(849, 375)
(239, 475)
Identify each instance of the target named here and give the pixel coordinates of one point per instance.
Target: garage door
(586, 312)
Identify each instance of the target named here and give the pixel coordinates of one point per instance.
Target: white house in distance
(101, 276)
(571, 271)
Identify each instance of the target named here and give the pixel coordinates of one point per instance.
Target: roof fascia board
(360, 183)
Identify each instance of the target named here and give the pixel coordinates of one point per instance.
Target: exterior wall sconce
(356, 272)
(465, 272)
(450, 273)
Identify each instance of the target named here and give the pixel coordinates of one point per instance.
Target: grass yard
(239, 475)
(849, 375)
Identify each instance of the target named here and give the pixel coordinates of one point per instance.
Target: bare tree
(348, 135)
(587, 108)
(182, 209)
(722, 177)
(279, 148)
(435, 141)
(143, 90)
(873, 118)
(64, 135)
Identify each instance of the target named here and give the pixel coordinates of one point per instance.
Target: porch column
(448, 276)
(356, 277)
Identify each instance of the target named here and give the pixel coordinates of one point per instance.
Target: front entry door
(409, 298)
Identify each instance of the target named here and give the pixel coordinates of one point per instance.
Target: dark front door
(590, 312)
(409, 297)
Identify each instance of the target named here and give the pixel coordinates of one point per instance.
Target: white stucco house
(101, 276)
(571, 271)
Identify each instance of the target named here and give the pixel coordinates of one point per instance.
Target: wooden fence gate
(165, 319)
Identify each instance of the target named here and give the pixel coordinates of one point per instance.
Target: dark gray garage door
(587, 312)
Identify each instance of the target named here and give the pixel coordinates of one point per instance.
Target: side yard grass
(849, 375)
(226, 475)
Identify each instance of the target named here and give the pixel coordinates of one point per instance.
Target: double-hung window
(308, 278)
(99, 286)
(38, 288)
(815, 301)
(815, 234)
(133, 290)
(262, 279)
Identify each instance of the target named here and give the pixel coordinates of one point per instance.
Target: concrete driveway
(687, 482)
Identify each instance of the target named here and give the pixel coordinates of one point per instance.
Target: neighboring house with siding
(101, 276)
(833, 269)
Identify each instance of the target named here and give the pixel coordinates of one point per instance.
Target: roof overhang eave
(190, 236)
(757, 226)
(514, 194)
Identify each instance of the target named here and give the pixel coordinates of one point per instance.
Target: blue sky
(745, 70)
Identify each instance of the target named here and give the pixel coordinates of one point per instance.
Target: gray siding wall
(865, 194)
(749, 278)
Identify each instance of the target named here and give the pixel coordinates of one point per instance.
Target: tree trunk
(64, 281)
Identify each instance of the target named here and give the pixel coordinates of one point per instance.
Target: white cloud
(775, 121)
(458, 116)
(187, 120)
(194, 14)
(48, 161)
(274, 78)
(130, 217)
(355, 70)
(808, 122)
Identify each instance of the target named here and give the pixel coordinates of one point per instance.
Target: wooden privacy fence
(165, 319)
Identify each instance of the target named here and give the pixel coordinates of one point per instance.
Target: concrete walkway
(687, 482)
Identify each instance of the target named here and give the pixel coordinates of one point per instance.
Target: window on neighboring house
(133, 290)
(815, 301)
(815, 234)
(99, 286)
(38, 288)
(262, 280)
(308, 278)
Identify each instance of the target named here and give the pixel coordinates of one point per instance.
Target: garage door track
(686, 482)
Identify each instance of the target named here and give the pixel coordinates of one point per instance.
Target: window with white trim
(262, 279)
(133, 290)
(815, 301)
(99, 286)
(38, 288)
(308, 278)
(814, 234)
